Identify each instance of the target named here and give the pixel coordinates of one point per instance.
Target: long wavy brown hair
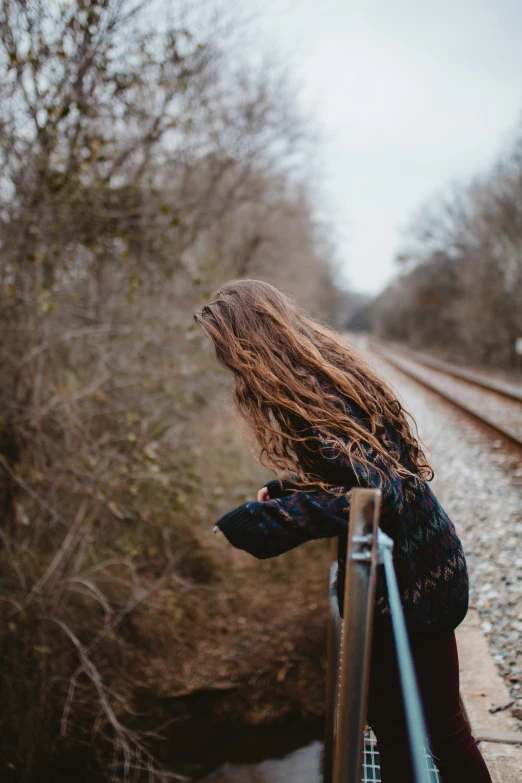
(291, 374)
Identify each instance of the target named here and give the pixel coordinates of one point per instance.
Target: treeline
(460, 288)
(141, 164)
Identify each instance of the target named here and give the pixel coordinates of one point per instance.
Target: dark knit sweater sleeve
(269, 528)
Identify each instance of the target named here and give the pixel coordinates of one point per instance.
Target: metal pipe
(359, 591)
(334, 622)
(412, 703)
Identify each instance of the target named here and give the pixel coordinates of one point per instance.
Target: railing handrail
(410, 690)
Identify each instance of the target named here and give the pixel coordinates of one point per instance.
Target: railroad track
(490, 402)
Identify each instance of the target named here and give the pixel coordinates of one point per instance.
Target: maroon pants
(453, 748)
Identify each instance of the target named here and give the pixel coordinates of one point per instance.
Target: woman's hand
(263, 495)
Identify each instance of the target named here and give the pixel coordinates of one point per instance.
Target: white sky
(410, 95)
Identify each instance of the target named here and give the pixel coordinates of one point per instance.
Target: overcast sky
(410, 96)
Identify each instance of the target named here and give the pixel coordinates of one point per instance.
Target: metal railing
(349, 648)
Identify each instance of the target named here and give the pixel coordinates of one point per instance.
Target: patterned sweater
(428, 557)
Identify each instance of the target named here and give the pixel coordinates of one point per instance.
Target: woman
(327, 422)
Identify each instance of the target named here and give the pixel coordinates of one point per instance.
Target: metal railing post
(349, 648)
(359, 591)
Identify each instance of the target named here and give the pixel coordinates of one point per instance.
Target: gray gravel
(479, 486)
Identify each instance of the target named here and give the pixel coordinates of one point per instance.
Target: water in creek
(300, 766)
(292, 754)
(269, 754)
(303, 765)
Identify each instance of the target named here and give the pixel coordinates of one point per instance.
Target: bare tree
(461, 278)
(139, 167)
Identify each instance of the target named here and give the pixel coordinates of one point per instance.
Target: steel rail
(506, 433)
(488, 384)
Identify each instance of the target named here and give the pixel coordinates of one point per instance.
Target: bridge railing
(349, 648)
